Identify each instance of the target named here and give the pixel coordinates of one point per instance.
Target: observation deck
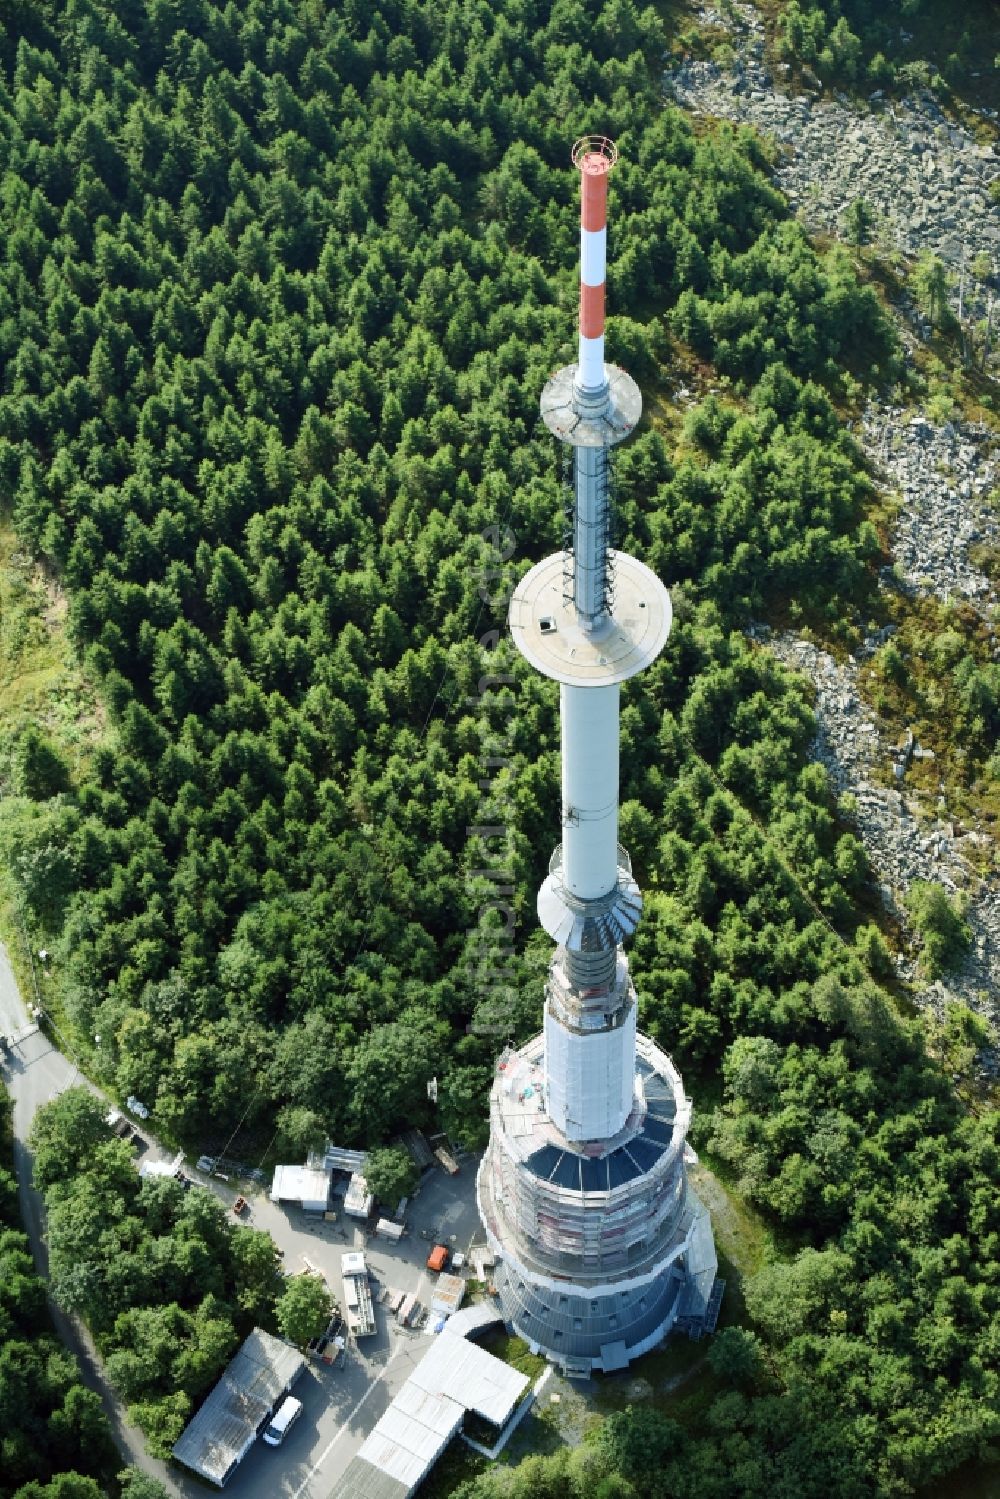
(547, 630)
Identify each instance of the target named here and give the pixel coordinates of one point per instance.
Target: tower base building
(602, 1246)
(602, 1251)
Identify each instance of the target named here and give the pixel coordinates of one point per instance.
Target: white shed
(304, 1185)
(359, 1201)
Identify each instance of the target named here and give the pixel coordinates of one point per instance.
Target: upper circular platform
(586, 420)
(547, 632)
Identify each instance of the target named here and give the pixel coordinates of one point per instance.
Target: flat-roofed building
(221, 1433)
(307, 1186)
(359, 1201)
(448, 1294)
(453, 1377)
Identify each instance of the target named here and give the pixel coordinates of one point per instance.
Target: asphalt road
(340, 1405)
(34, 1072)
(13, 1015)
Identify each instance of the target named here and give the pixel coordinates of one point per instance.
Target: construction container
(448, 1294)
(437, 1260)
(408, 1308)
(390, 1230)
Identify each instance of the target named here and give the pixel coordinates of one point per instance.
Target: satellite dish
(432, 1089)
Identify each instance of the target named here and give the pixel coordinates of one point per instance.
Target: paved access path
(34, 1072)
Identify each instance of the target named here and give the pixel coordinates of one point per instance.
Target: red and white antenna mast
(570, 623)
(594, 155)
(602, 1247)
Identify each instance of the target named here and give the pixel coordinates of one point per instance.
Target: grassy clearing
(458, 1465)
(41, 681)
(513, 1351)
(747, 1241)
(41, 684)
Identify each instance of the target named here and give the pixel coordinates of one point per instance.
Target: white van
(282, 1421)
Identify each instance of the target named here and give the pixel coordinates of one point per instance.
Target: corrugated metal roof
(360, 1480)
(452, 1377)
(418, 1147)
(435, 1413)
(218, 1435)
(472, 1377)
(472, 1319)
(335, 1158)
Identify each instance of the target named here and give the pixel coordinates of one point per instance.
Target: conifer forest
(280, 284)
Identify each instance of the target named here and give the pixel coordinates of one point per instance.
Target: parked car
(282, 1421)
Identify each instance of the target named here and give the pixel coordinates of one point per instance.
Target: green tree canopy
(304, 1309)
(390, 1173)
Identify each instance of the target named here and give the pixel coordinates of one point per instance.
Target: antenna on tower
(593, 156)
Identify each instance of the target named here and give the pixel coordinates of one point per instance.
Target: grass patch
(458, 1465)
(744, 1241)
(41, 681)
(41, 685)
(513, 1351)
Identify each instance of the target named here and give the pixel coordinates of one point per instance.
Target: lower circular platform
(547, 631)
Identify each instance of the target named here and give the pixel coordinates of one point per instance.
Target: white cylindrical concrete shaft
(589, 1079)
(589, 720)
